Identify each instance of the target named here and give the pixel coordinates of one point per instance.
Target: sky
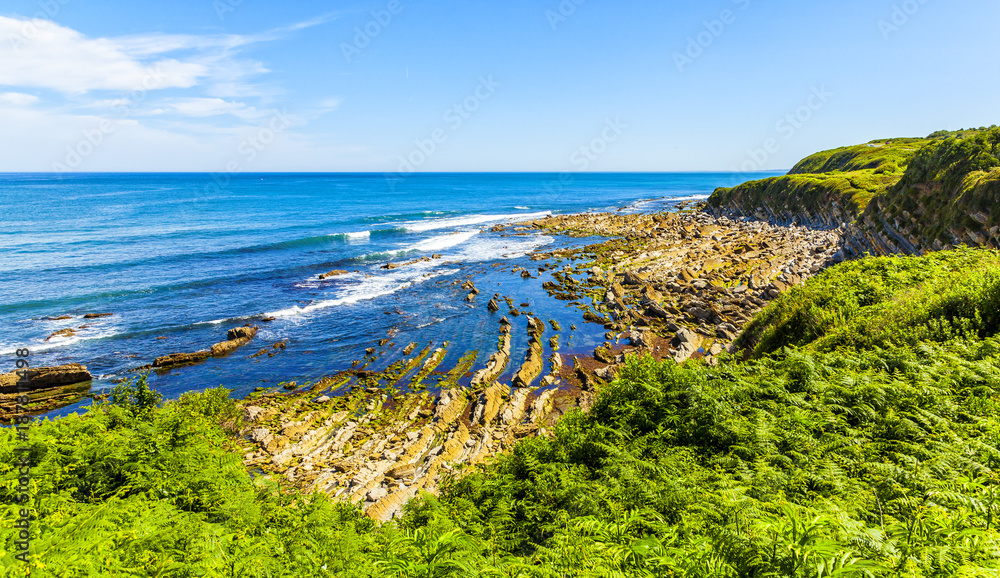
(479, 85)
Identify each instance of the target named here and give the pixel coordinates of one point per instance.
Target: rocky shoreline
(671, 285)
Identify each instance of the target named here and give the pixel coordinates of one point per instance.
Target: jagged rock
(97, 315)
(656, 310)
(651, 296)
(640, 339)
(236, 338)
(241, 333)
(635, 278)
(377, 494)
(687, 336)
(493, 306)
(604, 355)
(533, 359)
(726, 331)
(684, 352)
(402, 471)
(69, 332)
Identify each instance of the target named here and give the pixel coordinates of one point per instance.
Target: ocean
(181, 258)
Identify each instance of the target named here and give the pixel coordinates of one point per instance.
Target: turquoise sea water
(181, 258)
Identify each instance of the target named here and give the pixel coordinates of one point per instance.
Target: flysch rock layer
(674, 286)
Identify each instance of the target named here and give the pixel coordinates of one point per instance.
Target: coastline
(675, 286)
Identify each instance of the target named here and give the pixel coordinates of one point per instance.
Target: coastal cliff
(892, 196)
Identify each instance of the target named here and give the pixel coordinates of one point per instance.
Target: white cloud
(200, 98)
(17, 98)
(42, 54)
(48, 55)
(201, 107)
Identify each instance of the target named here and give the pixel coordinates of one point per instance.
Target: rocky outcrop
(331, 274)
(667, 272)
(68, 332)
(498, 361)
(46, 377)
(377, 447)
(235, 338)
(534, 357)
(179, 359)
(47, 388)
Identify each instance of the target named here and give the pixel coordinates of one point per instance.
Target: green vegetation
(860, 439)
(842, 194)
(888, 155)
(951, 187)
(885, 302)
(938, 188)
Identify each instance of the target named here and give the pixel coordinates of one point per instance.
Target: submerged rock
(69, 332)
(334, 273)
(236, 338)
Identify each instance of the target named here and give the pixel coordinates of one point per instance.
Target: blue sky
(539, 85)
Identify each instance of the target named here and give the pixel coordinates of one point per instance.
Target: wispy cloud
(144, 95)
(62, 59)
(205, 107)
(17, 98)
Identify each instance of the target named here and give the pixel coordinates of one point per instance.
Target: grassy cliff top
(956, 163)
